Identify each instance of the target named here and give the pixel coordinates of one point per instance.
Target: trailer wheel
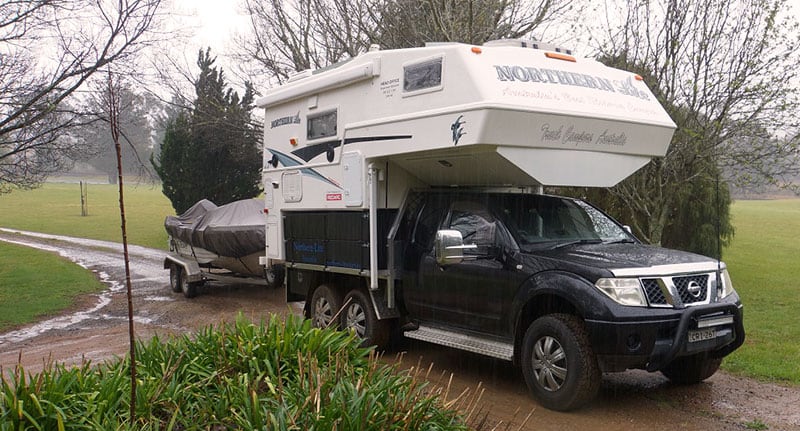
(325, 305)
(189, 289)
(175, 275)
(359, 316)
(559, 366)
(689, 370)
(275, 276)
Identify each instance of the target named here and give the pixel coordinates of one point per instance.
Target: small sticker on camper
(390, 87)
(333, 196)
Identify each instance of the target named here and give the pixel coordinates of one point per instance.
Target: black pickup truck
(550, 283)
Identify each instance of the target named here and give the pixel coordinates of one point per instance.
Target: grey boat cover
(235, 230)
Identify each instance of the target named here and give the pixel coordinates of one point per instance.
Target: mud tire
(558, 363)
(325, 305)
(359, 316)
(689, 370)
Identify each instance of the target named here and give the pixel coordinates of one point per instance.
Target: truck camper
(403, 192)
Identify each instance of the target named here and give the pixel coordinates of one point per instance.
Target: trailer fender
(190, 268)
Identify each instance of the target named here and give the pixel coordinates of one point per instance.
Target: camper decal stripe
(311, 151)
(288, 161)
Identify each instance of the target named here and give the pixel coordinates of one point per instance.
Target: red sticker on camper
(333, 196)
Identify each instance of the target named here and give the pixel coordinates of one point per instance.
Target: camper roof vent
(299, 75)
(528, 43)
(430, 44)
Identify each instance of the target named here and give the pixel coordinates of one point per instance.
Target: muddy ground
(96, 329)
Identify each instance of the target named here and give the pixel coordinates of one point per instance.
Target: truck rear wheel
(559, 366)
(325, 304)
(689, 370)
(359, 315)
(175, 275)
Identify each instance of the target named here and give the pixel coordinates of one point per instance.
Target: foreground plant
(278, 375)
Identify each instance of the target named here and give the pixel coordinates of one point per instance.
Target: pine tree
(212, 151)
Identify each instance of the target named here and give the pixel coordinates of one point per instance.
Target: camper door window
(322, 125)
(422, 75)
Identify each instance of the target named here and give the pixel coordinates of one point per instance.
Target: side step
(470, 343)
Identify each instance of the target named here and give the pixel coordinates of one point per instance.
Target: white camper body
(359, 135)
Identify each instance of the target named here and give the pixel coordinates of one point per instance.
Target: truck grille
(679, 291)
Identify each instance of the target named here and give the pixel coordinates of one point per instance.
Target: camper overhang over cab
(501, 114)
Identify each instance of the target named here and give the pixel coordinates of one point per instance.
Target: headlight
(725, 288)
(626, 291)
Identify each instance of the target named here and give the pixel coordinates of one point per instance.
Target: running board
(470, 343)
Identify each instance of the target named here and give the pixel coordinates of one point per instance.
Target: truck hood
(602, 260)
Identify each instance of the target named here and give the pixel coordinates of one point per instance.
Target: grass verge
(34, 284)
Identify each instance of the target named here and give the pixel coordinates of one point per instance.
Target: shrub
(279, 375)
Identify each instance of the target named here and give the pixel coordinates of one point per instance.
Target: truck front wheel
(559, 366)
(359, 316)
(325, 304)
(689, 370)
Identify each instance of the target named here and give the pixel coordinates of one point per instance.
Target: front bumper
(652, 343)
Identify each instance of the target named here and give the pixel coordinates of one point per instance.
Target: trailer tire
(175, 276)
(189, 289)
(359, 316)
(275, 276)
(558, 363)
(325, 305)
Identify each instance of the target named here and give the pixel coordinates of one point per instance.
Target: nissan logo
(694, 289)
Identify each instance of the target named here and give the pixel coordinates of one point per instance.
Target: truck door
(474, 294)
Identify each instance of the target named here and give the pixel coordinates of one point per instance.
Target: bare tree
(409, 23)
(725, 70)
(290, 36)
(50, 49)
(139, 115)
(113, 108)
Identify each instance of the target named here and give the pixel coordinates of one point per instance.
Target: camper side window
(424, 75)
(322, 125)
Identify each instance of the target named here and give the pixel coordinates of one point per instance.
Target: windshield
(547, 221)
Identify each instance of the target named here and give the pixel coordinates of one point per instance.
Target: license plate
(702, 334)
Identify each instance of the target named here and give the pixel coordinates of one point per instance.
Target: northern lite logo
(292, 119)
(511, 73)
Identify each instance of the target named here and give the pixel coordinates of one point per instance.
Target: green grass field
(27, 293)
(763, 258)
(56, 208)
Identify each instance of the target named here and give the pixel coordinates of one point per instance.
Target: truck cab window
(476, 224)
(430, 216)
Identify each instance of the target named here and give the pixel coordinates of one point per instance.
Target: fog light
(634, 343)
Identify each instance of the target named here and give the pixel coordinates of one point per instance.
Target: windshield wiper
(577, 241)
(620, 241)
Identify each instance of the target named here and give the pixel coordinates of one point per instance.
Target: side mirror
(449, 247)
(627, 228)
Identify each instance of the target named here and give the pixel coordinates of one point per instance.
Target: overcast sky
(214, 20)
